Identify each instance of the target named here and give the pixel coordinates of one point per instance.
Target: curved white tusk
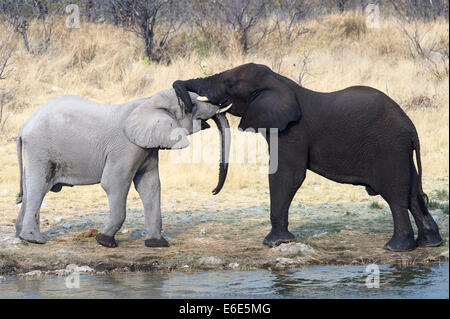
(202, 99)
(224, 109)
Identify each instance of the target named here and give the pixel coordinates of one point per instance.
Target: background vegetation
(124, 50)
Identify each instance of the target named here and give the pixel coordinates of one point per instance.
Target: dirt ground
(215, 236)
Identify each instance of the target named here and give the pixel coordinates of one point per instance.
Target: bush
(348, 25)
(375, 205)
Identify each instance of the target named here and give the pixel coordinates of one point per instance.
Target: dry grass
(105, 64)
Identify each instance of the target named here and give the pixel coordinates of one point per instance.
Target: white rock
(290, 248)
(212, 260)
(56, 89)
(233, 265)
(59, 219)
(84, 269)
(10, 240)
(202, 231)
(285, 261)
(185, 266)
(5, 191)
(71, 267)
(125, 231)
(75, 268)
(444, 254)
(34, 273)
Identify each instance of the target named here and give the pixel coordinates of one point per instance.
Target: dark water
(307, 282)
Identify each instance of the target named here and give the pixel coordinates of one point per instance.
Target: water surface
(307, 282)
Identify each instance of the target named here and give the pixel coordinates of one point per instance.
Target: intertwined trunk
(200, 86)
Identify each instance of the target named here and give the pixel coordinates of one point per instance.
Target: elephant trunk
(225, 142)
(210, 86)
(183, 94)
(205, 86)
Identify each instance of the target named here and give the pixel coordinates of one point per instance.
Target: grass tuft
(375, 205)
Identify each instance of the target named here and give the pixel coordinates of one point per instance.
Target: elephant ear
(271, 108)
(152, 127)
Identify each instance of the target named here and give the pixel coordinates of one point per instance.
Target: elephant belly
(71, 172)
(340, 169)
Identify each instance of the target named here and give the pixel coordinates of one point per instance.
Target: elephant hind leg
(35, 187)
(403, 238)
(428, 230)
(23, 205)
(393, 184)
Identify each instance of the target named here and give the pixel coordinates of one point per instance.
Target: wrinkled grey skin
(74, 141)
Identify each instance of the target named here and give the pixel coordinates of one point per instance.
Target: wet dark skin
(357, 136)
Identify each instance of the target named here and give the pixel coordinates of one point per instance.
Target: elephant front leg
(149, 188)
(283, 185)
(116, 182)
(117, 205)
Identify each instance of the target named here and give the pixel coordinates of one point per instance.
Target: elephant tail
(19, 157)
(416, 147)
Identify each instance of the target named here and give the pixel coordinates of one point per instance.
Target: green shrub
(434, 204)
(442, 194)
(375, 205)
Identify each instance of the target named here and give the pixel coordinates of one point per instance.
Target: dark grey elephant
(355, 136)
(73, 141)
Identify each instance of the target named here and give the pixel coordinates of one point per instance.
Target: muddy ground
(215, 237)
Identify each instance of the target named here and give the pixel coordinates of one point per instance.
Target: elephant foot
(401, 244)
(106, 241)
(153, 242)
(34, 237)
(275, 238)
(429, 240)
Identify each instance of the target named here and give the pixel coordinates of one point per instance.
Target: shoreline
(202, 240)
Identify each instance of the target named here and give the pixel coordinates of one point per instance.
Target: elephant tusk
(202, 99)
(224, 109)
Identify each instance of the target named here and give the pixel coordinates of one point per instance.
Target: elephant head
(164, 121)
(261, 97)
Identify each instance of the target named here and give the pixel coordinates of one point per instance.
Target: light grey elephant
(74, 141)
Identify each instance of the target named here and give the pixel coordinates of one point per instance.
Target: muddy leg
(283, 186)
(428, 235)
(428, 230)
(403, 238)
